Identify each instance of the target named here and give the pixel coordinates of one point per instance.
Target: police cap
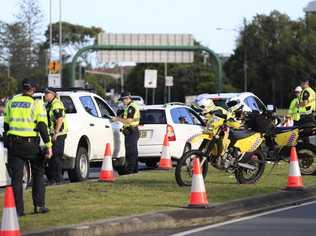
(50, 90)
(304, 80)
(28, 84)
(125, 95)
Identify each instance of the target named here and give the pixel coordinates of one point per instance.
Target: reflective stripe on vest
(136, 117)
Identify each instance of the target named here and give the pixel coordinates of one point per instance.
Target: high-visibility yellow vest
(22, 113)
(136, 117)
(57, 105)
(311, 104)
(294, 109)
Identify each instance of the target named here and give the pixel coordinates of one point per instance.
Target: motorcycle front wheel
(306, 154)
(184, 168)
(256, 161)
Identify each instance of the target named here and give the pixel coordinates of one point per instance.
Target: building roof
(311, 7)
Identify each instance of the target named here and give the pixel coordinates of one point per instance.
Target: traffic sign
(169, 81)
(54, 80)
(54, 67)
(150, 79)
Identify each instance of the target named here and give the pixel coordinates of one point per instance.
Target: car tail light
(170, 133)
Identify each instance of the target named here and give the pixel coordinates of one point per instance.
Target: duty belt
(24, 139)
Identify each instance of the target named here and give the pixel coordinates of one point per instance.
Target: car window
(251, 102)
(181, 116)
(261, 106)
(197, 120)
(68, 104)
(88, 105)
(153, 116)
(105, 110)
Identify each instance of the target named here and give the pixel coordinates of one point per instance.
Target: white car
(90, 128)
(179, 121)
(219, 99)
(250, 102)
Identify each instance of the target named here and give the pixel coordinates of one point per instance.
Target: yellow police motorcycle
(225, 147)
(278, 140)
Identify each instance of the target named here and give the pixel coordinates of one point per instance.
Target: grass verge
(147, 191)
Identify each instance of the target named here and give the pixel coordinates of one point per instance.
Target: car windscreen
(220, 103)
(153, 116)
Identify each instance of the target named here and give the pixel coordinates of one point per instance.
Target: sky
(202, 18)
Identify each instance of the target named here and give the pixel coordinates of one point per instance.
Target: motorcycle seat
(240, 134)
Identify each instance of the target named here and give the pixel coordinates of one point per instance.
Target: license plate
(145, 133)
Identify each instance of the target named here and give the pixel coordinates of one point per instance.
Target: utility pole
(165, 87)
(9, 72)
(122, 79)
(50, 30)
(245, 57)
(60, 40)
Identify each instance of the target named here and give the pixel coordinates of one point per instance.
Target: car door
(98, 130)
(117, 137)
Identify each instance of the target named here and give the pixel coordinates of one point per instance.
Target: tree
(280, 52)
(17, 50)
(30, 17)
(8, 86)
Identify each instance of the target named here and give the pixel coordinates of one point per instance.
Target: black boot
(40, 210)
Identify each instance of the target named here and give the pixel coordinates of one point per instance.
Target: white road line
(240, 219)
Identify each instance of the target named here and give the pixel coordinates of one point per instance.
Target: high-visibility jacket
(311, 104)
(136, 118)
(294, 109)
(22, 114)
(57, 105)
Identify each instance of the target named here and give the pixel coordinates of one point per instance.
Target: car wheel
(81, 170)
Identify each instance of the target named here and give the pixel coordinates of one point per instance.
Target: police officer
(130, 122)
(307, 103)
(294, 109)
(24, 119)
(58, 128)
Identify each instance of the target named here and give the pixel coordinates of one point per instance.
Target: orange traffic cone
(295, 181)
(198, 196)
(106, 173)
(10, 223)
(165, 162)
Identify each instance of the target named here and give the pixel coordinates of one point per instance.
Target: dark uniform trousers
(21, 149)
(55, 164)
(131, 139)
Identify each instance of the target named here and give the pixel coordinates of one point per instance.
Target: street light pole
(60, 40)
(50, 30)
(245, 57)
